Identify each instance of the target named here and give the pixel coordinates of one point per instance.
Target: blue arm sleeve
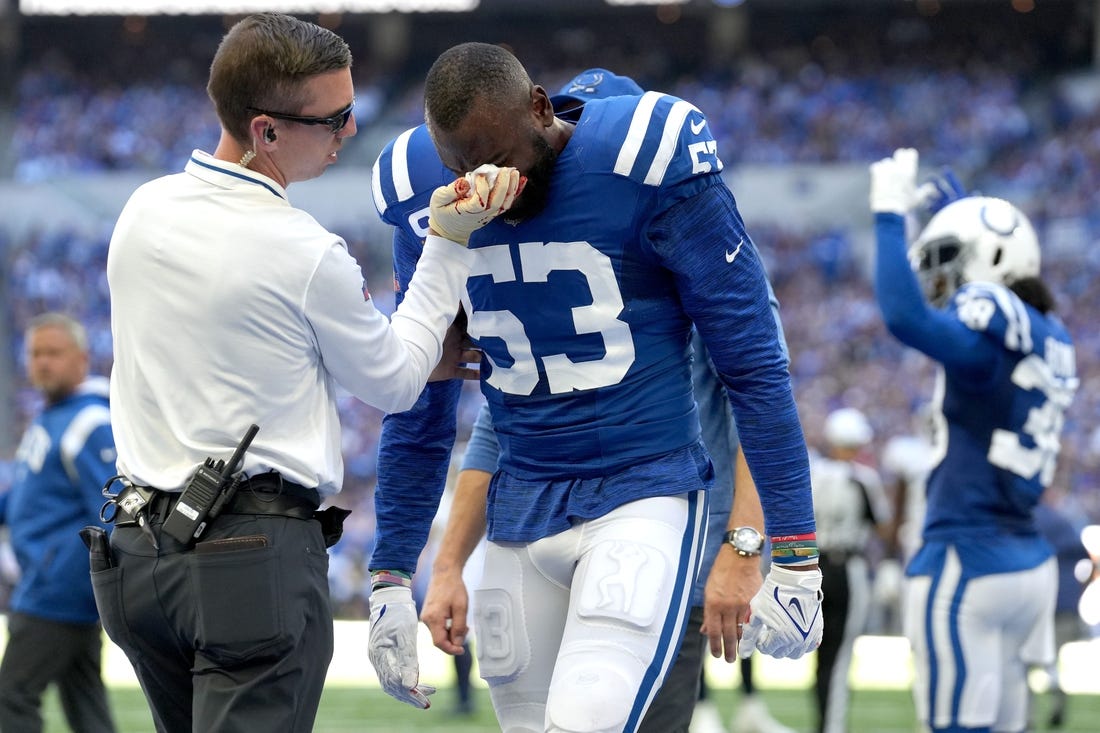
(774, 301)
(483, 449)
(414, 453)
(910, 318)
(729, 303)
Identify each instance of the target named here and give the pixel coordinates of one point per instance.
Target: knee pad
(590, 696)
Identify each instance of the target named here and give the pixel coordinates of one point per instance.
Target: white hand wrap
(894, 183)
(392, 646)
(471, 202)
(786, 615)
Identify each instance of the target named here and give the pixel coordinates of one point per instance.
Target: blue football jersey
(65, 457)
(1008, 374)
(404, 176)
(584, 314)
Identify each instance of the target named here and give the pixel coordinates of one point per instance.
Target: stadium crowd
(1027, 138)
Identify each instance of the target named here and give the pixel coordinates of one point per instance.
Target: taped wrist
(389, 578)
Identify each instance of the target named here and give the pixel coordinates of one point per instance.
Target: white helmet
(847, 428)
(974, 239)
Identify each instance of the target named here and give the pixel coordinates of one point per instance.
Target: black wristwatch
(745, 540)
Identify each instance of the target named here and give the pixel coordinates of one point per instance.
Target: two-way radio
(211, 487)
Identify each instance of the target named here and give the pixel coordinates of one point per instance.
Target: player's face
(514, 137)
(55, 364)
(537, 189)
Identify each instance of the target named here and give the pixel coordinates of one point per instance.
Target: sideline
(878, 662)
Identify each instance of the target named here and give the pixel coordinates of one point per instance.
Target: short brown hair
(263, 62)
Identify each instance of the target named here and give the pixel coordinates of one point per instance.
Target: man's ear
(541, 107)
(260, 124)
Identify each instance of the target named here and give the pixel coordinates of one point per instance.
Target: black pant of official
(234, 635)
(41, 652)
(846, 586)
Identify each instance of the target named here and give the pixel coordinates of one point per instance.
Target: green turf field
(349, 710)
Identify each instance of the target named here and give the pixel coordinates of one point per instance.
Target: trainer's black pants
(233, 635)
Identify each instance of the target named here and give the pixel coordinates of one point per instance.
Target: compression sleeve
(723, 288)
(414, 453)
(483, 448)
(910, 318)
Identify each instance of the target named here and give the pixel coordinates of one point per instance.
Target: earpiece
(269, 134)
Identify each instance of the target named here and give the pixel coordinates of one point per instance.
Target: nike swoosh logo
(731, 256)
(800, 623)
(697, 127)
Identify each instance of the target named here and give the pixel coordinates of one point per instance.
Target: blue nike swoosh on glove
(798, 607)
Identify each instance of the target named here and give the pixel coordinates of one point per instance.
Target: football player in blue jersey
(981, 587)
(582, 299)
(737, 576)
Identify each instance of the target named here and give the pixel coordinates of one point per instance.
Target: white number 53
(537, 261)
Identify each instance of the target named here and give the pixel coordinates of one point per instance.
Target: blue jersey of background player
(982, 585)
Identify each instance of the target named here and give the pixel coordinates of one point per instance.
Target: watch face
(747, 539)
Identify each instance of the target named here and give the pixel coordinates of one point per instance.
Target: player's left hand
(458, 353)
(786, 615)
(731, 585)
(894, 183)
(392, 645)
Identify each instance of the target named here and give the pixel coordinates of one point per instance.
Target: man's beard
(537, 188)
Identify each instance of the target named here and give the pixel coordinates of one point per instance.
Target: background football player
(981, 589)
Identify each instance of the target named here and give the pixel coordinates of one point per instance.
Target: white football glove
(471, 202)
(894, 183)
(392, 646)
(786, 615)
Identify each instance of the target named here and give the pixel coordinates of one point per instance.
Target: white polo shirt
(230, 307)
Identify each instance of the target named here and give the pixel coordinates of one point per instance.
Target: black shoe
(1057, 710)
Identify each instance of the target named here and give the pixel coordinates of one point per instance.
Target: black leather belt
(266, 493)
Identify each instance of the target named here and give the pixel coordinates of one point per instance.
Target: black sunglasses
(335, 123)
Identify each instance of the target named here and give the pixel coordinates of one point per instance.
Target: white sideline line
(878, 662)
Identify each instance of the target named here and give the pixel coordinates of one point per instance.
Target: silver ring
(448, 623)
(740, 626)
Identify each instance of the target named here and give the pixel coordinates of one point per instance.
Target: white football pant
(973, 640)
(576, 631)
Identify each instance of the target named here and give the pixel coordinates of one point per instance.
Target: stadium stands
(798, 121)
